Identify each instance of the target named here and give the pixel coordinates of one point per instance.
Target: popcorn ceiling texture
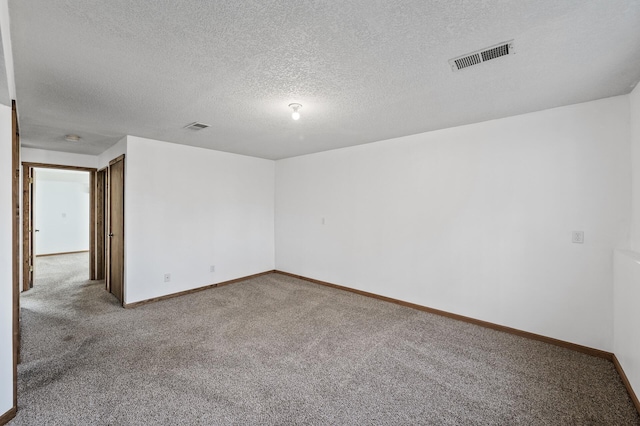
(363, 70)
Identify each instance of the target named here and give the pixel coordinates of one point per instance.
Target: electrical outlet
(167, 278)
(577, 237)
(212, 268)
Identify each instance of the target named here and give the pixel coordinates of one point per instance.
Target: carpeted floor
(276, 350)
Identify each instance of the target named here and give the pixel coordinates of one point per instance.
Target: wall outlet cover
(577, 237)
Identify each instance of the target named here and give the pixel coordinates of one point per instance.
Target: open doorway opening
(58, 222)
(61, 217)
(50, 227)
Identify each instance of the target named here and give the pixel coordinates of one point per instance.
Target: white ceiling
(364, 70)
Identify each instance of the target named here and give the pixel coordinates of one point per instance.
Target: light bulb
(295, 114)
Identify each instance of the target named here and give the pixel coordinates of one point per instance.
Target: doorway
(105, 226)
(58, 215)
(61, 204)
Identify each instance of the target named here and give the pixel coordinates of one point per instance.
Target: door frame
(101, 186)
(28, 229)
(28, 233)
(15, 251)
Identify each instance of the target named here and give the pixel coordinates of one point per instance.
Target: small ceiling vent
(196, 126)
(482, 55)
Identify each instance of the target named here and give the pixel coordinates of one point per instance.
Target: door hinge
(30, 268)
(30, 180)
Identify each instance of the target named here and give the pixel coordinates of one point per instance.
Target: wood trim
(58, 166)
(92, 225)
(627, 384)
(100, 223)
(27, 174)
(568, 345)
(115, 160)
(27, 166)
(195, 290)
(32, 225)
(107, 222)
(59, 254)
(15, 231)
(9, 415)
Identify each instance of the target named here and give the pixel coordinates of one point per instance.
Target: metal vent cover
(196, 126)
(482, 55)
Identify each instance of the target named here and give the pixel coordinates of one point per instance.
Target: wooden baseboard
(194, 290)
(4, 419)
(59, 254)
(627, 384)
(573, 346)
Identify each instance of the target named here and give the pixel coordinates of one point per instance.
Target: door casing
(28, 229)
(101, 216)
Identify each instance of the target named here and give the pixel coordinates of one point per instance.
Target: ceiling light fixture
(72, 138)
(295, 107)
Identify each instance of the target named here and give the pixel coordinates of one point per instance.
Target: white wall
(474, 220)
(6, 267)
(189, 208)
(61, 211)
(634, 106)
(627, 314)
(112, 153)
(627, 268)
(32, 155)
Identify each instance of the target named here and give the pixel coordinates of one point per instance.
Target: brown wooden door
(115, 239)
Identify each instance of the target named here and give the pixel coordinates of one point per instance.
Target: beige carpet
(276, 350)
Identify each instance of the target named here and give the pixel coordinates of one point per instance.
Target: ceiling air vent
(482, 55)
(196, 126)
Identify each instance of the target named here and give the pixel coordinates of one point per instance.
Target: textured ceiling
(364, 70)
